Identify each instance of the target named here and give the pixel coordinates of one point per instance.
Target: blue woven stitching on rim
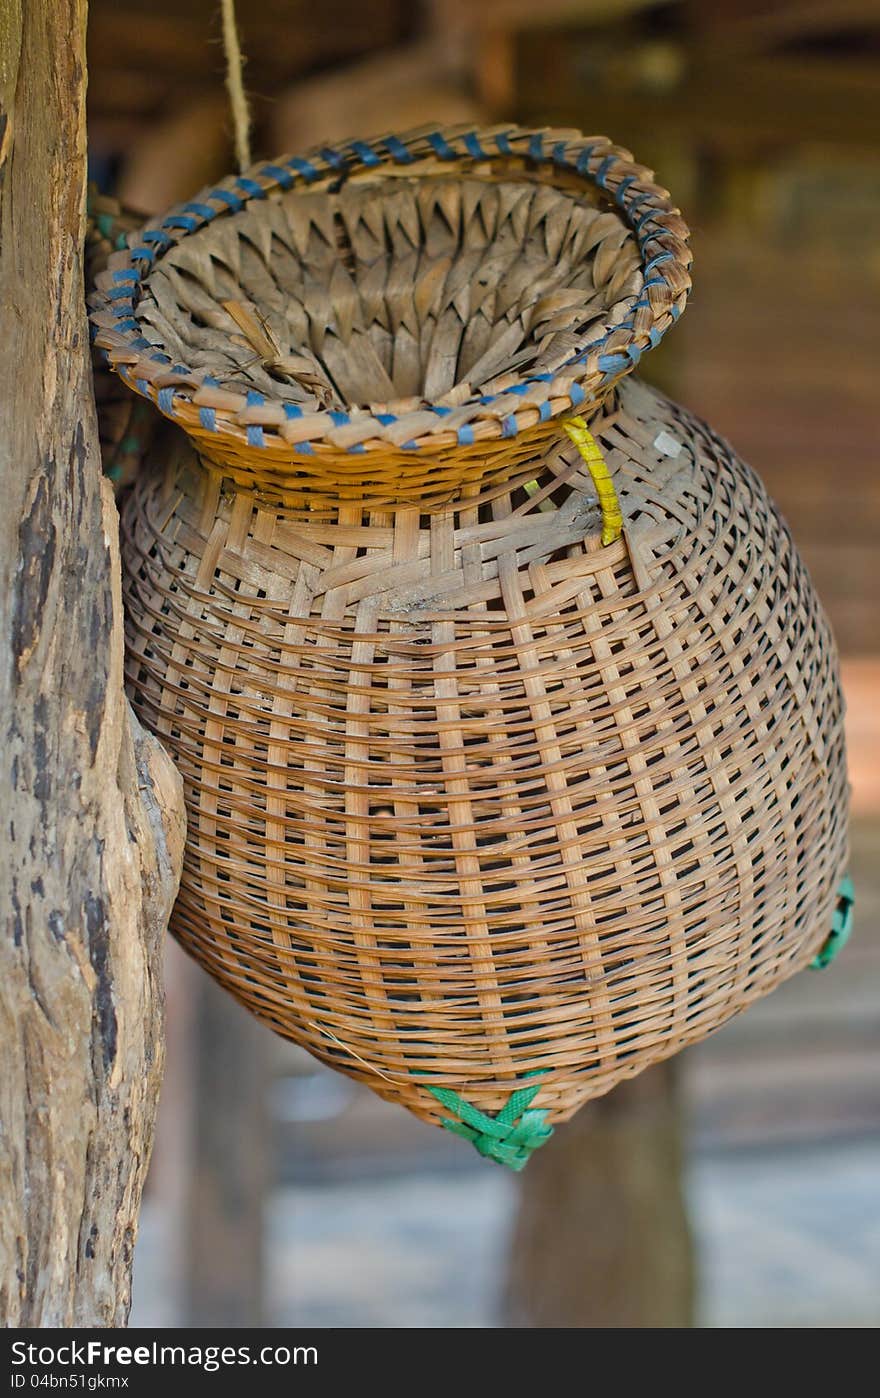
(200, 210)
(234, 201)
(441, 146)
(189, 216)
(304, 167)
(279, 175)
(365, 153)
(250, 187)
(397, 150)
(333, 158)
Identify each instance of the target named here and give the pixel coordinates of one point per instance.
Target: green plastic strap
(841, 926)
(511, 1136)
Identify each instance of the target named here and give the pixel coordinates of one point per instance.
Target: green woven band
(841, 926)
(511, 1136)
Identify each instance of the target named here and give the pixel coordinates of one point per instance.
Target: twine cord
(241, 117)
(612, 519)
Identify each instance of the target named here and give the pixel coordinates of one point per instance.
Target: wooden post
(223, 1271)
(91, 823)
(601, 1238)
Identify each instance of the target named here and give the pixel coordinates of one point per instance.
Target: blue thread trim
(142, 343)
(536, 147)
(340, 419)
(304, 167)
(440, 410)
(411, 445)
(544, 411)
(210, 382)
(143, 255)
(583, 160)
(612, 363)
(119, 293)
(509, 426)
(201, 210)
(208, 419)
(255, 437)
(602, 172)
(472, 146)
(180, 369)
(125, 274)
(620, 194)
(185, 221)
(502, 141)
(576, 394)
(253, 398)
(639, 223)
(442, 147)
(155, 235)
(386, 418)
(166, 400)
(279, 175)
(397, 150)
(160, 358)
(226, 196)
(250, 187)
(333, 158)
(292, 411)
(465, 436)
(660, 257)
(365, 153)
(142, 387)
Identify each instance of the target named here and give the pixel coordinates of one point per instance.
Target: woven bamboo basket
(509, 721)
(126, 422)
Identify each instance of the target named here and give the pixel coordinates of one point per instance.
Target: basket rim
(232, 425)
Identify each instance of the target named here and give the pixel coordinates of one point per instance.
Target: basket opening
(395, 293)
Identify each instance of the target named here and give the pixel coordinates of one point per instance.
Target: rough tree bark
(601, 1238)
(91, 819)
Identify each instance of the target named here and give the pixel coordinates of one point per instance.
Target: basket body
(488, 800)
(471, 796)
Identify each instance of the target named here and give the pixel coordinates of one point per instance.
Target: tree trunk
(601, 1238)
(91, 825)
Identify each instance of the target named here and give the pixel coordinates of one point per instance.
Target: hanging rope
(241, 117)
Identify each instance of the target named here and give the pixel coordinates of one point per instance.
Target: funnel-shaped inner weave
(394, 290)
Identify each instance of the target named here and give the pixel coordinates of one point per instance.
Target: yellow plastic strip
(612, 519)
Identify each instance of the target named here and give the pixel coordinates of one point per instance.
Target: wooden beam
(91, 824)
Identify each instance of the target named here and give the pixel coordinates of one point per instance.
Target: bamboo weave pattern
(472, 794)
